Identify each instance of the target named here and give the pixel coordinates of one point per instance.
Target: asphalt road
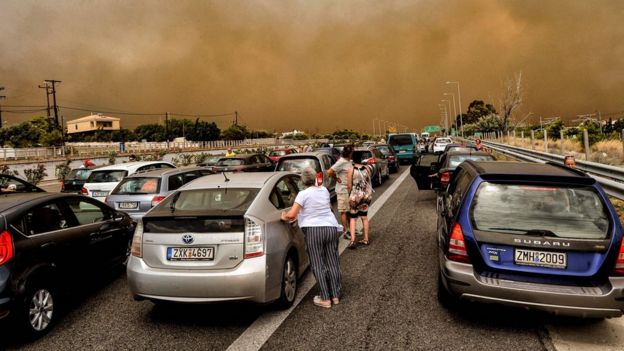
(389, 303)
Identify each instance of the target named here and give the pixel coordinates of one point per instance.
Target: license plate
(99, 193)
(190, 253)
(128, 205)
(402, 151)
(540, 258)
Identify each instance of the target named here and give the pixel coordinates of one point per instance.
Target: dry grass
(608, 151)
(619, 207)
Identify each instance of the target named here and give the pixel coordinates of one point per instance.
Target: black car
(372, 156)
(449, 161)
(391, 156)
(48, 243)
(13, 185)
(75, 179)
(244, 163)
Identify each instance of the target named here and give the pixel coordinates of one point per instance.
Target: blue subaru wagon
(537, 236)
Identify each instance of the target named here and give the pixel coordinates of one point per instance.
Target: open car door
(422, 168)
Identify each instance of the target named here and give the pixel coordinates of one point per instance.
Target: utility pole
(235, 118)
(167, 128)
(47, 88)
(1, 97)
(53, 82)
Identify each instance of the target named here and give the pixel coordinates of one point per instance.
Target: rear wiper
(534, 232)
(173, 202)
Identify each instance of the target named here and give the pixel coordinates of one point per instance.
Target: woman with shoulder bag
(360, 190)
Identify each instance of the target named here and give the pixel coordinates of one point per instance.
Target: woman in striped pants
(312, 208)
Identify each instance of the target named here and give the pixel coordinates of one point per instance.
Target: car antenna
(225, 176)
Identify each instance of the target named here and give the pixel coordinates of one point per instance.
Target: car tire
(38, 312)
(288, 290)
(445, 297)
(126, 258)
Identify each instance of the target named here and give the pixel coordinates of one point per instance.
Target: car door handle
(49, 245)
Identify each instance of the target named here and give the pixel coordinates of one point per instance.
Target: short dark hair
(347, 151)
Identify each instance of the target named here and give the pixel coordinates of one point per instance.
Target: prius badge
(187, 239)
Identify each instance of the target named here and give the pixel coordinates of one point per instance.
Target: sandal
(352, 245)
(321, 303)
(363, 242)
(335, 300)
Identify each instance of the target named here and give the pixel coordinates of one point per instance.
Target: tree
(235, 132)
(489, 123)
(553, 129)
(476, 110)
(511, 100)
(203, 131)
(150, 132)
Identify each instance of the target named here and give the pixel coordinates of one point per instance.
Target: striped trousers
(322, 248)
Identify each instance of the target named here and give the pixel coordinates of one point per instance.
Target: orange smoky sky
(315, 65)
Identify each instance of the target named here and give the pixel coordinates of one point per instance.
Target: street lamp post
(446, 121)
(461, 118)
(454, 111)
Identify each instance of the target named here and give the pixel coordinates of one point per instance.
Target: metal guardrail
(611, 178)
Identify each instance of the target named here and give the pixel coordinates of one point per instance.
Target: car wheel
(38, 312)
(444, 296)
(289, 284)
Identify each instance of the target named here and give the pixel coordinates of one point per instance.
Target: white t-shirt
(342, 168)
(316, 208)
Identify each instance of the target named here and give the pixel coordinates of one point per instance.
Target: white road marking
(607, 335)
(262, 328)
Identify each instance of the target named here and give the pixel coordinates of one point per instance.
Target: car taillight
(157, 199)
(84, 191)
(619, 261)
(457, 246)
(445, 177)
(137, 240)
(391, 158)
(371, 161)
(6, 247)
(319, 178)
(254, 240)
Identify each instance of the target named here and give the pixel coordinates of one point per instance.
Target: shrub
(199, 158)
(5, 169)
(112, 157)
(36, 174)
(62, 170)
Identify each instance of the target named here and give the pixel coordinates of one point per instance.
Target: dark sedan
(75, 179)
(391, 156)
(449, 162)
(48, 243)
(244, 163)
(11, 185)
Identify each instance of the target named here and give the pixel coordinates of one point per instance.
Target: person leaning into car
(312, 208)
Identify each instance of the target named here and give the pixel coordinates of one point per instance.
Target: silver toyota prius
(220, 238)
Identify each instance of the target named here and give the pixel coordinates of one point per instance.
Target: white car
(440, 143)
(102, 180)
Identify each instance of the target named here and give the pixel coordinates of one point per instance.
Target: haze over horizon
(312, 65)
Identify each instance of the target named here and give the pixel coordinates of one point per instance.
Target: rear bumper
(591, 302)
(404, 156)
(247, 281)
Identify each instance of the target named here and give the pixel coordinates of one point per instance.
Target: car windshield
(298, 164)
(213, 199)
(455, 160)
(278, 153)
(401, 140)
(135, 185)
(231, 162)
(384, 150)
(106, 176)
(566, 212)
(78, 174)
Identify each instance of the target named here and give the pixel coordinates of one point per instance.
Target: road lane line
(264, 326)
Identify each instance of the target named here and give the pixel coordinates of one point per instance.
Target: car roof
(368, 148)
(303, 155)
(492, 170)
(163, 171)
(9, 201)
(130, 165)
(464, 152)
(236, 180)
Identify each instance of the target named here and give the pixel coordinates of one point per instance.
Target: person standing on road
(230, 153)
(312, 208)
(479, 144)
(339, 172)
(360, 189)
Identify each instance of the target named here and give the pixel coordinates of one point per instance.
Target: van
(405, 145)
(102, 180)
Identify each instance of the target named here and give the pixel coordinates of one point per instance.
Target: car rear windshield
(455, 160)
(78, 174)
(212, 199)
(133, 185)
(231, 162)
(298, 164)
(443, 141)
(277, 153)
(384, 149)
(359, 156)
(194, 225)
(566, 212)
(400, 140)
(106, 176)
